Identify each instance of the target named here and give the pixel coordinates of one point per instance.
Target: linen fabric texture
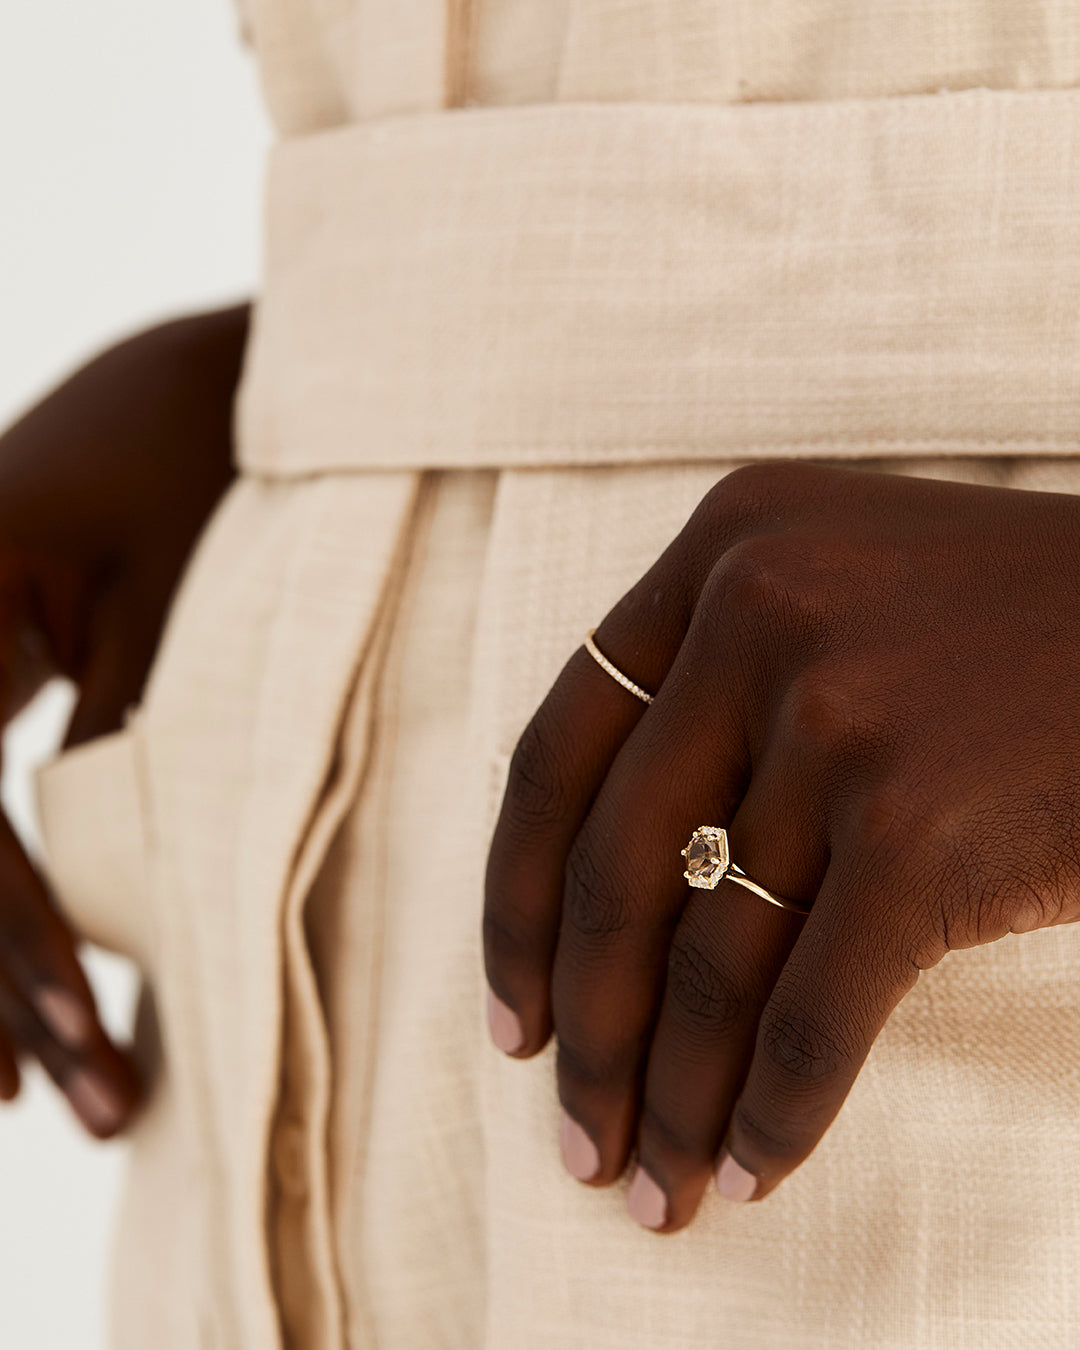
(537, 275)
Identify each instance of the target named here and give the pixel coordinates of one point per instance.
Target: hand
(103, 488)
(874, 683)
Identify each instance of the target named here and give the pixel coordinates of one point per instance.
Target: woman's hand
(103, 489)
(874, 683)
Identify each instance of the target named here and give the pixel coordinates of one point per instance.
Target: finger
(566, 750)
(684, 765)
(111, 677)
(9, 1069)
(844, 976)
(38, 950)
(20, 668)
(556, 770)
(725, 956)
(49, 1007)
(101, 1106)
(557, 766)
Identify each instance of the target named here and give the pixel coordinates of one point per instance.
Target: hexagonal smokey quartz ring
(708, 862)
(707, 857)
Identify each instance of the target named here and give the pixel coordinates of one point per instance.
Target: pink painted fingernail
(504, 1025)
(732, 1181)
(66, 1016)
(580, 1155)
(94, 1101)
(646, 1202)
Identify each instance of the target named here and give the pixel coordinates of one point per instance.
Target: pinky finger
(846, 973)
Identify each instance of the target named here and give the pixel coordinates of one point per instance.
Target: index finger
(556, 770)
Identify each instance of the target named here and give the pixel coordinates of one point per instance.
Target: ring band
(708, 862)
(614, 671)
(737, 875)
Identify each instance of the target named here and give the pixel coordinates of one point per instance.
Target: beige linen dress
(538, 272)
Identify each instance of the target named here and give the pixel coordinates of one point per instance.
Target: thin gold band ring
(614, 671)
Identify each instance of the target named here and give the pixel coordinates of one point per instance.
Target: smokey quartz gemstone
(706, 857)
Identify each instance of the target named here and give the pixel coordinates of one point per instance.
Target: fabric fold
(90, 803)
(268, 644)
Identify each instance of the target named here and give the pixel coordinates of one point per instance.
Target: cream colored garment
(502, 351)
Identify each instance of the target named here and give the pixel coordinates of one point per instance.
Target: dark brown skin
(874, 683)
(104, 486)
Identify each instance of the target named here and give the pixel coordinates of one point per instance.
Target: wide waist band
(614, 283)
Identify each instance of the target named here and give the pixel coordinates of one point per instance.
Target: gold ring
(614, 671)
(708, 862)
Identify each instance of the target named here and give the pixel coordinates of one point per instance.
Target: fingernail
(66, 1016)
(646, 1202)
(580, 1155)
(732, 1181)
(94, 1101)
(504, 1025)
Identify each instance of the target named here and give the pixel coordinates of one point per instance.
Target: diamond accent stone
(706, 857)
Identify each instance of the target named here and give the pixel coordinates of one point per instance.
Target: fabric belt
(617, 283)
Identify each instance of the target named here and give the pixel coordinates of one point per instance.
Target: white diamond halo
(707, 857)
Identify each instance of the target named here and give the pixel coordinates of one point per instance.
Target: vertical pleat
(460, 26)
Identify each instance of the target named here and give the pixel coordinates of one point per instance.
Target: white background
(131, 148)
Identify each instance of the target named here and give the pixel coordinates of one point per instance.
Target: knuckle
(1032, 906)
(947, 830)
(824, 714)
(752, 578)
(730, 497)
(769, 1136)
(709, 1000)
(534, 790)
(21, 1023)
(585, 1070)
(887, 816)
(753, 490)
(592, 905)
(798, 1049)
(927, 852)
(973, 893)
(785, 584)
(664, 1129)
(505, 941)
(926, 939)
(25, 957)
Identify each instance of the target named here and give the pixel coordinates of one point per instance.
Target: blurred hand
(104, 486)
(871, 682)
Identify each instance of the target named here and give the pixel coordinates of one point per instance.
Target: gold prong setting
(708, 862)
(707, 857)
